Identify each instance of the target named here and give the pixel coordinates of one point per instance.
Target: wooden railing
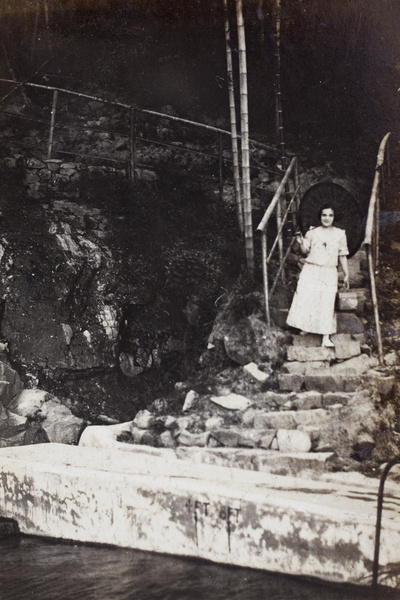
(284, 204)
(131, 133)
(372, 233)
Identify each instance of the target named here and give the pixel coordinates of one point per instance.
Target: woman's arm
(345, 269)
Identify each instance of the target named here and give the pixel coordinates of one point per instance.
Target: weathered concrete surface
(152, 503)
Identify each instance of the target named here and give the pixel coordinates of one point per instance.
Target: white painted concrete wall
(162, 504)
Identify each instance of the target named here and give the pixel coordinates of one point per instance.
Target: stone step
(345, 347)
(265, 461)
(344, 376)
(324, 382)
(291, 419)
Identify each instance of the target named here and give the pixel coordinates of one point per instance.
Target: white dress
(313, 306)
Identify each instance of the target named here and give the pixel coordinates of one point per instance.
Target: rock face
(93, 280)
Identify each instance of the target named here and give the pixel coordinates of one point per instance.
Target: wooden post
(374, 298)
(264, 248)
(221, 168)
(132, 147)
(377, 232)
(52, 124)
(296, 203)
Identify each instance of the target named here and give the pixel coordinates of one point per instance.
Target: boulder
(57, 420)
(10, 384)
(247, 338)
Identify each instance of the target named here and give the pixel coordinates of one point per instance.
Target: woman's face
(327, 217)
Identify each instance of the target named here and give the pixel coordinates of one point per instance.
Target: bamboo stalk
(232, 112)
(52, 124)
(278, 92)
(244, 114)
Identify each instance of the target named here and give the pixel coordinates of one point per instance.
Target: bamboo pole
(264, 248)
(232, 113)
(296, 205)
(22, 83)
(377, 233)
(371, 268)
(255, 143)
(244, 113)
(267, 215)
(375, 187)
(220, 167)
(132, 147)
(280, 236)
(52, 124)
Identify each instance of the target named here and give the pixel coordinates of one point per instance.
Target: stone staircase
(321, 409)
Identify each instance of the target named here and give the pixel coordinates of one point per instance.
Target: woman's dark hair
(325, 207)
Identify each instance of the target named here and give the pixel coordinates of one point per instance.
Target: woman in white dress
(313, 306)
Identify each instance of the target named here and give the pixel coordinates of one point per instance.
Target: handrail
(275, 207)
(374, 194)
(269, 147)
(375, 565)
(371, 239)
(277, 196)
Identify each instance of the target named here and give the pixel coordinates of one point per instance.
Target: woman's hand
(299, 237)
(346, 282)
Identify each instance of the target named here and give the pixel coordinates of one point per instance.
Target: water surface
(40, 569)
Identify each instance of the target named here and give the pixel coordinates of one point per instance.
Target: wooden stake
(220, 167)
(52, 124)
(132, 147)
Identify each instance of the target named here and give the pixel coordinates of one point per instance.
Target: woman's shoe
(327, 342)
